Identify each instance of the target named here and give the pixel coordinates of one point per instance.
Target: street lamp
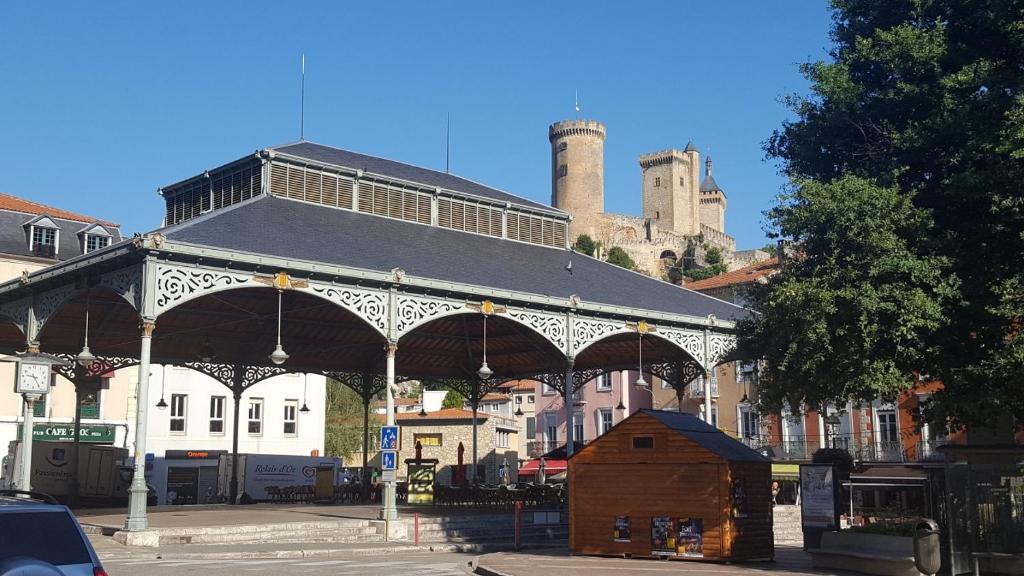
(485, 371)
(278, 356)
(305, 386)
(162, 405)
(86, 357)
(831, 423)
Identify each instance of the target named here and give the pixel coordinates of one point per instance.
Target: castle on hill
(683, 214)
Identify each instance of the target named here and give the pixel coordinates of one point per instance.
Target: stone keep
(669, 181)
(577, 173)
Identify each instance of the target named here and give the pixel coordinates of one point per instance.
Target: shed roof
(291, 229)
(444, 414)
(403, 171)
(705, 435)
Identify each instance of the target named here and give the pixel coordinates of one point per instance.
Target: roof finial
(577, 103)
(707, 166)
(302, 102)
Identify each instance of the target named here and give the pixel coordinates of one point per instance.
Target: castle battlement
(663, 157)
(576, 128)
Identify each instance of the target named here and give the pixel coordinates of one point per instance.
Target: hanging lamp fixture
(640, 382)
(86, 357)
(305, 388)
(279, 356)
(485, 371)
(163, 386)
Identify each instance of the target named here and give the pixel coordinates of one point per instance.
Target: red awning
(551, 467)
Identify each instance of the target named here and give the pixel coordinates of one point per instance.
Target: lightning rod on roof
(447, 141)
(302, 101)
(577, 102)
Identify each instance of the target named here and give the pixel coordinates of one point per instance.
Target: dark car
(40, 537)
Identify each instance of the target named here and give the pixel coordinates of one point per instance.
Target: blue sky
(103, 102)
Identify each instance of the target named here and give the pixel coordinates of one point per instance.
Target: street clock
(33, 378)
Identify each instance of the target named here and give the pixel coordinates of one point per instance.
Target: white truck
(103, 477)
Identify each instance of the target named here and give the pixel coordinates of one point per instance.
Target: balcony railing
(538, 448)
(929, 449)
(885, 451)
(696, 388)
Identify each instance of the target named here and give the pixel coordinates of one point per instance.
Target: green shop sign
(66, 433)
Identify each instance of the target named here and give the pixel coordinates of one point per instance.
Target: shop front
(185, 477)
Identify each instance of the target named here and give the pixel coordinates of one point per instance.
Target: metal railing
(537, 448)
(884, 451)
(928, 450)
(696, 388)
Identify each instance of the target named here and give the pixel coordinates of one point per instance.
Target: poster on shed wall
(663, 536)
(623, 531)
(690, 537)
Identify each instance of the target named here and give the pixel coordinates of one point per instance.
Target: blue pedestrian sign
(388, 460)
(389, 438)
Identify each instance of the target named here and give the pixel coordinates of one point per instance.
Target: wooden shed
(667, 484)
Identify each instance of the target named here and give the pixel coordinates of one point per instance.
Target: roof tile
(15, 204)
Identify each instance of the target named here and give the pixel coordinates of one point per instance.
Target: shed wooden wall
(753, 536)
(677, 478)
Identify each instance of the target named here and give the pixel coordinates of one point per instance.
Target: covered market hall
(306, 258)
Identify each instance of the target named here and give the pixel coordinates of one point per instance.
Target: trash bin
(927, 556)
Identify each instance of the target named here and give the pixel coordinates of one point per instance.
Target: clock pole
(25, 483)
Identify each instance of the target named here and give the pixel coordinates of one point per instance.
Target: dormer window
(95, 242)
(43, 237)
(93, 237)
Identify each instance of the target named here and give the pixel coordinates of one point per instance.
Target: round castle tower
(577, 173)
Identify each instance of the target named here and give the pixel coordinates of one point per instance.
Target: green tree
(343, 434)
(453, 400)
(585, 245)
(771, 248)
(849, 316)
(620, 258)
(714, 265)
(926, 99)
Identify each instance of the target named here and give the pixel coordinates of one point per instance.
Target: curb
(476, 568)
(314, 553)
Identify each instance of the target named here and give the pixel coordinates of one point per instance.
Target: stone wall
(452, 433)
(577, 172)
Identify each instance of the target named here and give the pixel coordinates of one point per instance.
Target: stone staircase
(497, 530)
(333, 531)
(787, 525)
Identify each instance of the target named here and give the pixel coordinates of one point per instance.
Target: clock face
(33, 378)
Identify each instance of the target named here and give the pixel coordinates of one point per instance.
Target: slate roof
(705, 435)
(400, 170)
(296, 230)
(16, 212)
(690, 147)
(709, 184)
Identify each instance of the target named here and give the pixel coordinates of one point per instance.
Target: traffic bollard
(519, 510)
(416, 528)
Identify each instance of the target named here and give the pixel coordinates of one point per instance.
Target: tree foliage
(343, 435)
(920, 108)
(585, 245)
(848, 318)
(620, 258)
(453, 400)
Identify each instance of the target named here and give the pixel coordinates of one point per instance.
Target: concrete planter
(866, 553)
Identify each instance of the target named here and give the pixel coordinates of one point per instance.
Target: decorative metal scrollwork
(47, 303)
(175, 284)
(98, 367)
(551, 326)
(370, 305)
(256, 374)
(691, 341)
(127, 282)
(17, 311)
(718, 346)
(586, 331)
(581, 377)
(677, 374)
(223, 373)
(413, 311)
